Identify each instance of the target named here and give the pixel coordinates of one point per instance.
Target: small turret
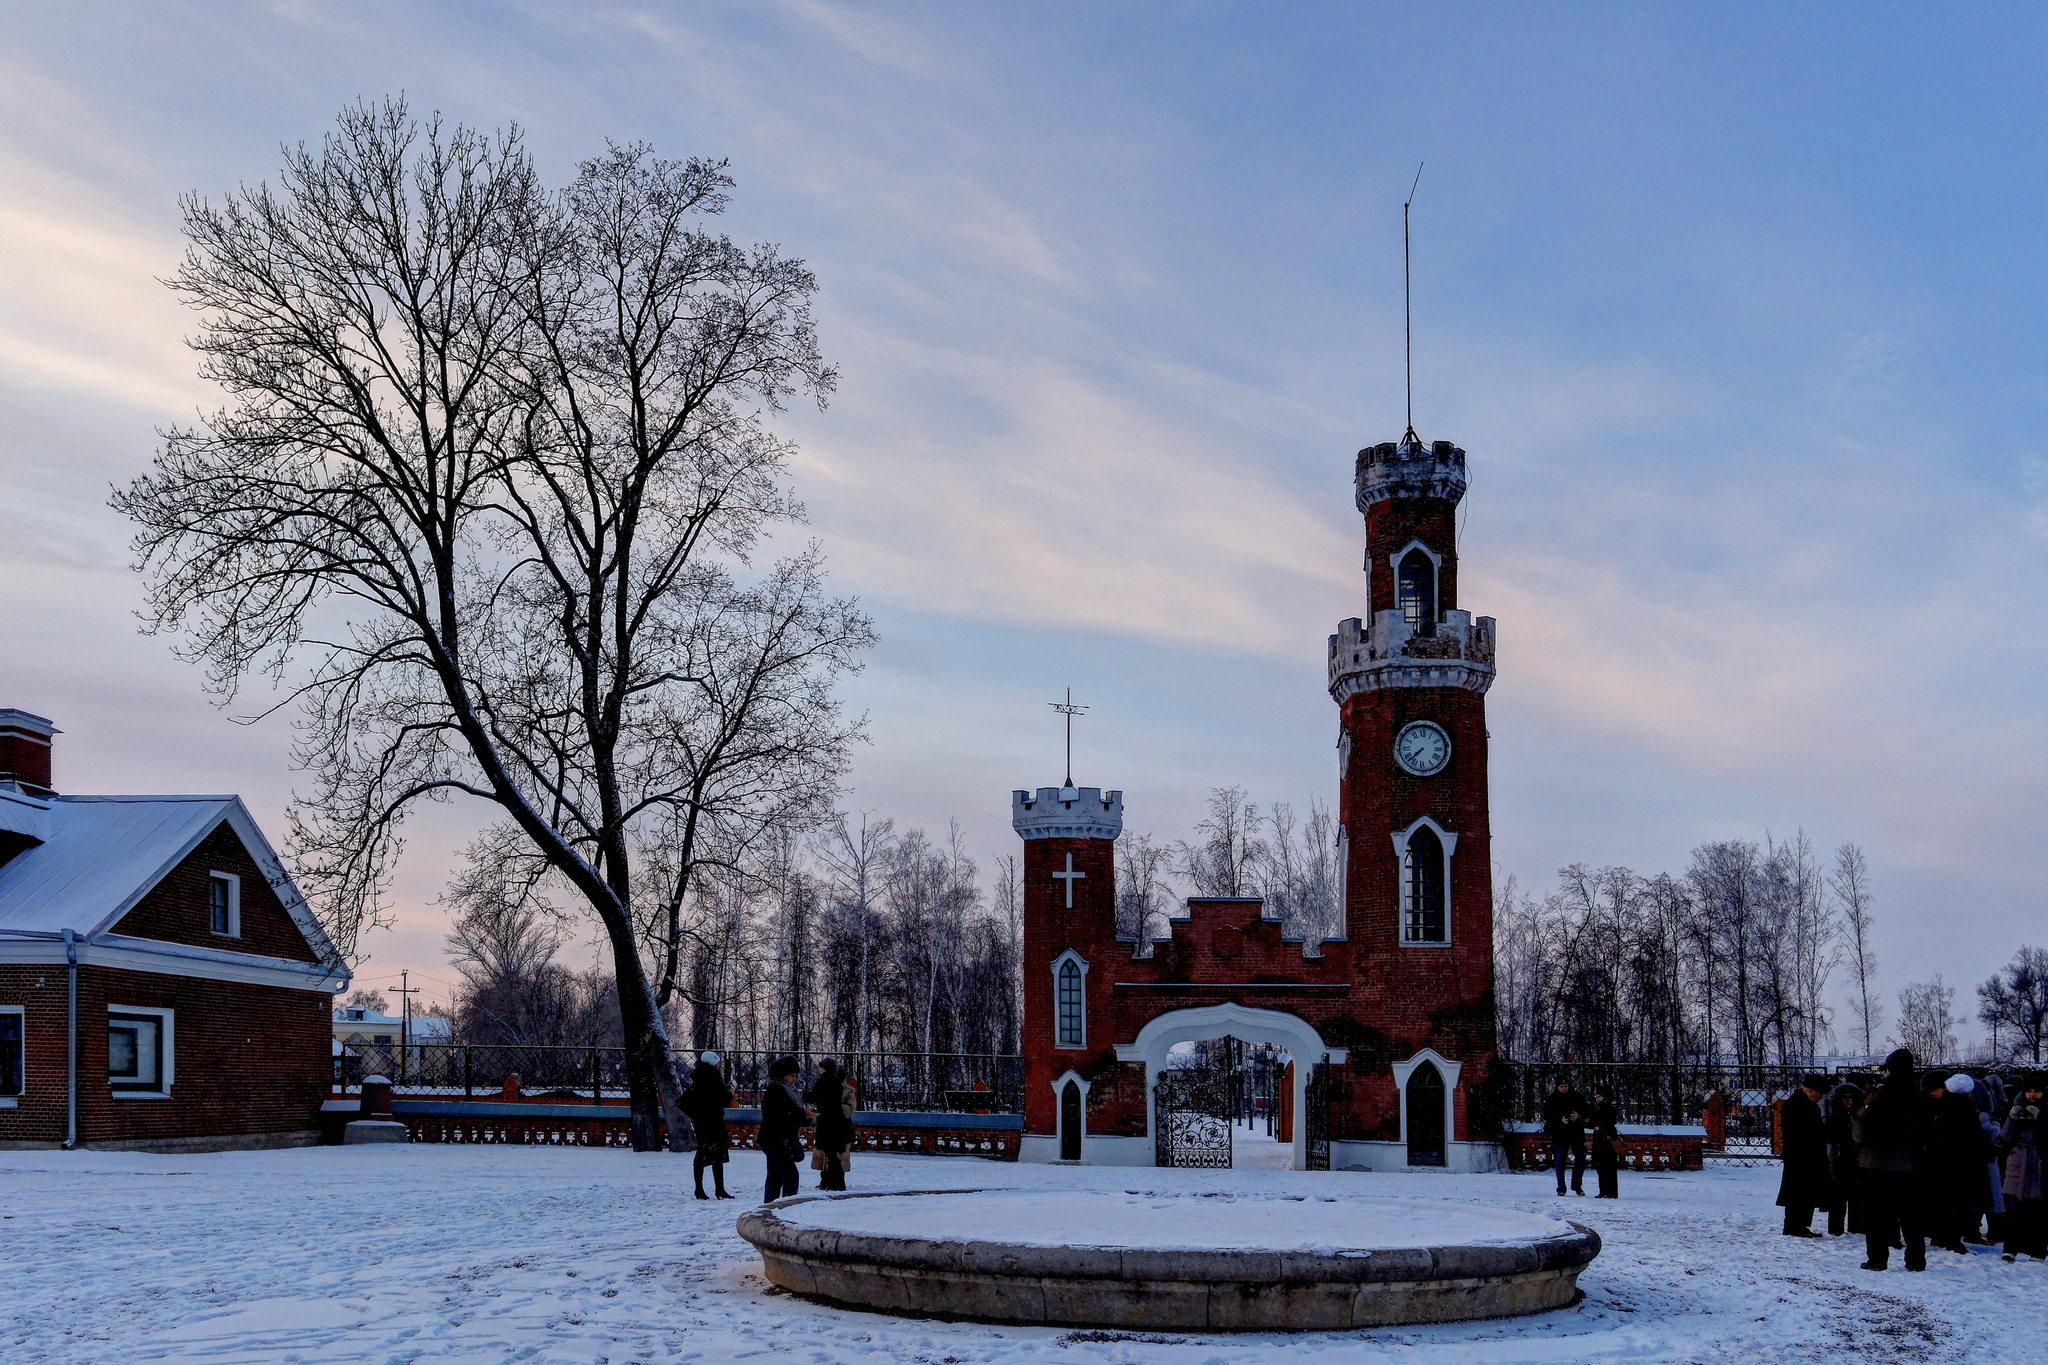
(1067, 813)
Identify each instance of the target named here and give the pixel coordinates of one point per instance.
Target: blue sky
(1739, 314)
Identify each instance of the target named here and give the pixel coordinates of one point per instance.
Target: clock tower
(1410, 681)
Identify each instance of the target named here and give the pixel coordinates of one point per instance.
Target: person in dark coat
(1953, 1154)
(831, 1099)
(1604, 1120)
(1888, 1134)
(783, 1118)
(1844, 1214)
(2026, 1208)
(1564, 1123)
(705, 1102)
(1803, 1152)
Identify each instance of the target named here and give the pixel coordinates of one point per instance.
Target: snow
(389, 1255)
(1207, 1221)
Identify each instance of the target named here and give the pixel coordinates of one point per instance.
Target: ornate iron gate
(1192, 1107)
(1316, 1117)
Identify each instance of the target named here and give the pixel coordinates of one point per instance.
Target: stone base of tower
(1095, 1151)
(1462, 1158)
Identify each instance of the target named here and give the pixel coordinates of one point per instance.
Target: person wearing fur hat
(1952, 1160)
(1803, 1152)
(1845, 1214)
(1887, 1130)
(2026, 1210)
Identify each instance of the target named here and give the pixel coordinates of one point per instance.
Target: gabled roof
(96, 856)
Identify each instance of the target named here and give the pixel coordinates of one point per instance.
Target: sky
(1738, 311)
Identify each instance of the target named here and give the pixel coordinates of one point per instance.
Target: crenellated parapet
(1458, 653)
(1410, 470)
(1067, 813)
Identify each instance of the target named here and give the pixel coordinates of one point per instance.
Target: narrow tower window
(1415, 590)
(1423, 887)
(1072, 1029)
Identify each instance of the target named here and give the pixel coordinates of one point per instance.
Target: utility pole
(406, 991)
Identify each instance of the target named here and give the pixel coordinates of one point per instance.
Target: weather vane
(1068, 709)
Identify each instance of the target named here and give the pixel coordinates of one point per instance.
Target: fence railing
(902, 1082)
(1734, 1103)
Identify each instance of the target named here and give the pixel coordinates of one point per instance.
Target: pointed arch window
(1415, 590)
(1070, 1000)
(1422, 886)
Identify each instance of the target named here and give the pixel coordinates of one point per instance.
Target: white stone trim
(1058, 964)
(1461, 1158)
(1445, 1068)
(1059, 1109)
(1450, 843)
(1229, 1019)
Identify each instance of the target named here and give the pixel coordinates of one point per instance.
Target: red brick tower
(1412, 806)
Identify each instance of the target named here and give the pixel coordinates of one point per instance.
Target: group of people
(1568, 1119)
(1911, 1160)
(827, 1104)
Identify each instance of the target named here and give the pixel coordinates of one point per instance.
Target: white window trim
(12, 1101)
(234, 884)
(1394, 559)
(1450, 843)
(1059, 1109)
(1445, 1068)
(1057, 963)
(169, 1037)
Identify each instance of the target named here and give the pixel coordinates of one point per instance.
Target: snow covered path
(483, 1254)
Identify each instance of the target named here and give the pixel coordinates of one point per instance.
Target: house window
(138, 1050)
(1423, 888)
(224, 904)
(10, 1053)
(1069, 1012)
(1415, 591)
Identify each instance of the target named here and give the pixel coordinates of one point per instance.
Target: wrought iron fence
(1735, 1104)
(902, 1082)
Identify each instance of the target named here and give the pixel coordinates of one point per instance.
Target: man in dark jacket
(1888, 1133)
(783, 1117)
(1846, 1213)
(1803, 1151)
(1564, 1123)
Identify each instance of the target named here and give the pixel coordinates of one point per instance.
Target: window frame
(1447, 843)
(1060, 1034)
(11, 1098)
(1428, 624)
(233, 884)
(166, 1052)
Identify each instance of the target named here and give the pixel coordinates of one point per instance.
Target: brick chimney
(25, 749)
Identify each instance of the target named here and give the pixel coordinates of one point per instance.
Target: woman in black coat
(1803, 1149)
(831, 1099)
(1606, 1144)
(705, 1102)
(783, 1118)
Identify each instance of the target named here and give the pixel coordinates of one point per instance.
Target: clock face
(1422, 748)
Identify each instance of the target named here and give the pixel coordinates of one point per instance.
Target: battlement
(1223, 937)
(1393, 470)
(1067, 813)
(1459, 653)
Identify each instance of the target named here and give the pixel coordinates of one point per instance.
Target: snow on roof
(99, 855)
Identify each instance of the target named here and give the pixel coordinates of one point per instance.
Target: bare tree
(2014, 1004)
(1224, 862)
(492, 463)
(1850, 883)
(1142, 895)
(1927, 1020)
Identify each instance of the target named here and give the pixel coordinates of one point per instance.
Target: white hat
(1960, 1084)
(708, 1058)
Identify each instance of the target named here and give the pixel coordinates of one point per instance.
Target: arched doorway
(1423, 1106)
(1070, 1121)
(1289, 1031)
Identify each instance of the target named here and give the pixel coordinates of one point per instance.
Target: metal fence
(902, 1082)
(1736, 1104)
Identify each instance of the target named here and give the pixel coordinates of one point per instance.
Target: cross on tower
(1070, 877)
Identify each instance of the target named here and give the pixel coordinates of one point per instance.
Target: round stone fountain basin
(1133, 1259)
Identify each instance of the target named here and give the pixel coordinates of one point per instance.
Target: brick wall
(1392, 524)
(246, 1059)
(177, 909)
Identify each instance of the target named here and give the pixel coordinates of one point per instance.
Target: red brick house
(163, 985)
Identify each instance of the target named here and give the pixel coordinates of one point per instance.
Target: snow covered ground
(483, 1254)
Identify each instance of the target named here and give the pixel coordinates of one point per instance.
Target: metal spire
(1408, 310)
(1069, 710)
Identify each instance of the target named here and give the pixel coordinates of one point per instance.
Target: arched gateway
(1399, 1007)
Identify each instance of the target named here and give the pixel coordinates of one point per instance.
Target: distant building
(359, 1024)
(163, 936)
